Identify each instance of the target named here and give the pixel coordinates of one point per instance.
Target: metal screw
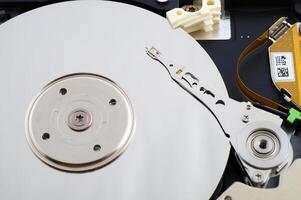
(79, 120)
(258, 177)
(249, 106)
(245, 118)
(191, 8)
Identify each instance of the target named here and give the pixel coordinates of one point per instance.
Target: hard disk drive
(115, 104)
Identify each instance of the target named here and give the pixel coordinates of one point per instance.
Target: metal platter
(156, 142)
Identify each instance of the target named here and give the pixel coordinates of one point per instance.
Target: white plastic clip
(203, 18)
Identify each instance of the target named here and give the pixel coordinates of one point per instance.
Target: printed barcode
(280, 60)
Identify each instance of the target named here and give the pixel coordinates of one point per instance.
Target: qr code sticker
(280, 61)
(282, 72)
(282, 66)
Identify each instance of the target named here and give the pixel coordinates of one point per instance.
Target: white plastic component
(203, 19)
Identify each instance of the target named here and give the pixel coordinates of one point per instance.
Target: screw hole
(97, 147)
(171, 65)
(191, 8)
(63, 91)
(113, 102)
(263, 144)
(45, 136)
(227, 198)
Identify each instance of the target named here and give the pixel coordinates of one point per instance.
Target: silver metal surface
(264, 144)
(288, 188)
(282, 154)
(278, 29)
(299, 28)
(63, 114)
(170, 155)
(254, 121)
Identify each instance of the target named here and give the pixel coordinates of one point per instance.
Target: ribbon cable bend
(253, 96)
